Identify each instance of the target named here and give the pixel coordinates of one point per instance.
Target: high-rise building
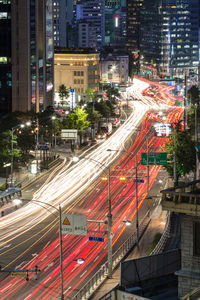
(133, 26)
(170, 35)
(5, 57)
(115, 23)
(92, 12)
(26, 55)
(60, 22)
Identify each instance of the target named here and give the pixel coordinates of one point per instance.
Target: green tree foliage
(6, 147)
(103, 108)
(77, 120)
(63, 93)
(91, 94)
(193, 95)
(111, 93)
(183, 146)
(93, 115)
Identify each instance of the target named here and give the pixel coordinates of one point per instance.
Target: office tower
(133, 26)
(60, 22)
(170, 35)
(5, 57)
(115, 23)
(92, 12)
(26, 59)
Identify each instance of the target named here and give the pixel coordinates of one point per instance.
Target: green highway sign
(155, 158)
(18, 274)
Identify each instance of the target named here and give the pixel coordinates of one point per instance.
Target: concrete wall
(189, 275)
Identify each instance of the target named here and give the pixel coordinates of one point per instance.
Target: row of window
(78, 81)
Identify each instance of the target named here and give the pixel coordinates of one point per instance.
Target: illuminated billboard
(162, 129)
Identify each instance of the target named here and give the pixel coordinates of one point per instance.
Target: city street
(30, 235)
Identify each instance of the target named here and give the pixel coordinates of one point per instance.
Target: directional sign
(43, 147)
(74, 224)
(155, 158)
(18, 274)
(96, 239)
(139, 180)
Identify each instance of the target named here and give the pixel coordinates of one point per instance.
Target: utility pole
(136, 190)
(185, 92)
(109, 217)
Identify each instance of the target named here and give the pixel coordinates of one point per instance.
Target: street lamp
(53, 120)
(109, 215)
(12, 146)
(60, 235)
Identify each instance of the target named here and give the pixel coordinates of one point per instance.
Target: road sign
(139, 180)
(43, 147)
(155, 158)
(19, 274)
(96, 239)
(69, 134)
(74, 224)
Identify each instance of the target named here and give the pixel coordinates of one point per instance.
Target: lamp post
(60, 236)
(109, 215)
(53, 120)
(12, 147)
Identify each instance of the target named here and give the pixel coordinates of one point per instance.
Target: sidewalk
(157, 225)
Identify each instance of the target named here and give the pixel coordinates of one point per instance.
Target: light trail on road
(64, 189)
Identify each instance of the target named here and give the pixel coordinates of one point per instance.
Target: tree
(193, 95)
(63, 93)
(103, 109)
(91, 94)
(6, 147)
(182, 145)
(112, 93)
(77, 120)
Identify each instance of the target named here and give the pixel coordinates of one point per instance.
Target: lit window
(3, 60)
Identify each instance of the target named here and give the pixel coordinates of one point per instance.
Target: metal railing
(101, 275)
(162, 242)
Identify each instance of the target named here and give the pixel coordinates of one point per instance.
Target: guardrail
(162, 242)
(101, 275)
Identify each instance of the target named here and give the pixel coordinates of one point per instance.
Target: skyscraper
(170, 35)
(92, 12)
(26, 58)
(133, 25)
(5, 57)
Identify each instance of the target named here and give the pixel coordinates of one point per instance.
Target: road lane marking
(49, 265)
(6, 246)
(6, 288)
(83, 273)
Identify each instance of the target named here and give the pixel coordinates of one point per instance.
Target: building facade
(115, 23)
(60, 23)
(114, 68)
(5, 58)
(170, 35)
(77, 70)
(26, 55)
(92, 12)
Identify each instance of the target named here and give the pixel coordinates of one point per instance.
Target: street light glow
(75, 158)
(16, 201)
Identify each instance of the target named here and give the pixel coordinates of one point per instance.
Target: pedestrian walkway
(157, 225)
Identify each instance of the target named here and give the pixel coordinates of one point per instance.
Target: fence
(100, 276)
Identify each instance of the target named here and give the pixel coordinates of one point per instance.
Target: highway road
(29, 236)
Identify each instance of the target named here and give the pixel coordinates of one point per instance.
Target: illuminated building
(114, 68)
(170, 35)
(77, 69)
(59, 22)
(27, 83)
(5, 57)
(115, 23)
(133, 26)
(92, 12)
